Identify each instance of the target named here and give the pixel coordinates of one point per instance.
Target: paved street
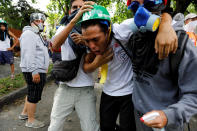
(9, 116)
(5, 69)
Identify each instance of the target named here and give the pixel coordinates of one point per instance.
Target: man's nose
(92, 45)
(78, 7)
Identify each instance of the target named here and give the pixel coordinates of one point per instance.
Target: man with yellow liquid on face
(118, 87)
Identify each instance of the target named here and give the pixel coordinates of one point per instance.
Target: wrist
(95, 64)
(166, 18)
(73, 22)
(34, 73)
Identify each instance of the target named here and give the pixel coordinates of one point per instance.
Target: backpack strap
(175, 59)
(126, 51)
(78, 49)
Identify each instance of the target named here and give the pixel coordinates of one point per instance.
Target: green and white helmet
(3, 22)
(98, 12)
(37, 16)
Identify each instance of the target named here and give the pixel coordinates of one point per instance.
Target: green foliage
(192, 8)
(189, 6)
(49, 69)
(121, 13)
(58, 8)
(18, 15)
(7, 85)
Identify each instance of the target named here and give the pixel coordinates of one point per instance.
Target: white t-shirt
(119, 77)
(82, 78)
(5, 44)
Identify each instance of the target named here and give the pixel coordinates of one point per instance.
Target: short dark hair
(104, 28)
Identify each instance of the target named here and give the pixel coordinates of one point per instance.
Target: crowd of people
(149, 60)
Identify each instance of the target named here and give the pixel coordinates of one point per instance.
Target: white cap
(190, 16)
(191, 27)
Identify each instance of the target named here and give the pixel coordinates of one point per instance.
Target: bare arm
(61, 37)
(166, 40)
(16, 41)
(92, 62)
(89, 64)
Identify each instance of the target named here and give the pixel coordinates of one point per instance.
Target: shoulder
(123, 31)
(125, 23)
(28, 34)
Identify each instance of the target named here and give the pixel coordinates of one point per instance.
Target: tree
(58, 8)
(18, 15)
(180, 7)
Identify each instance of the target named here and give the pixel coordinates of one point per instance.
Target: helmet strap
(109, 33)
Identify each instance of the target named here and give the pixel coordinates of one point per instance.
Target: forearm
(181, 112)
(62, 36)
(166, 18)
(90, 67)
(16, 41)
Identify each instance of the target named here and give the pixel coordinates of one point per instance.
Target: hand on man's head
(87, 6)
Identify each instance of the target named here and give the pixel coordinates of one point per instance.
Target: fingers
(172, 47)
(108, 52)
(161, 51)
(156, 46)
(87, 6)
(109, 55)
(158, 122)
(166, 50)
(36, 78)
(75, 34)
(106, 57)
(89, 3)
(77, 38)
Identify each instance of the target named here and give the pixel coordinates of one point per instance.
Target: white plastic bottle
(149, 117)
